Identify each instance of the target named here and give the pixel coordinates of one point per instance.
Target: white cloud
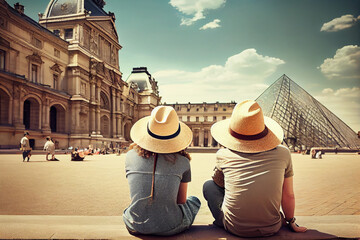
(241, 77)
(345, 63)
(337, 24)
(211, 25)
(195, 8)
(344, 103)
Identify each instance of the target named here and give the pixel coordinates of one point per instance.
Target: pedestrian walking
(25, 147)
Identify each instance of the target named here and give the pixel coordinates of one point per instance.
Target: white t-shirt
(49, 147)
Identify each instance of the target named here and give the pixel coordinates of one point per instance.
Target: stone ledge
(112, 227)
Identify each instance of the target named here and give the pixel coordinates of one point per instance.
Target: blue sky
(217, 50)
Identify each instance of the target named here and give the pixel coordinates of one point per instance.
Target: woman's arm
(288, 204)
(182, 194)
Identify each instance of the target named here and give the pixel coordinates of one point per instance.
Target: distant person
(253, 176)
(158, 171)
(77, 155)
(25, 147)
(318, 154)
(49, 147)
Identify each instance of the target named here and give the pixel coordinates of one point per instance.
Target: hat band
(249, 137)
(163, 137)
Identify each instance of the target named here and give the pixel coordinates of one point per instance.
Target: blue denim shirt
(162, 213)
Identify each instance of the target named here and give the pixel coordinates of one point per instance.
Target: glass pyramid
(306, 122)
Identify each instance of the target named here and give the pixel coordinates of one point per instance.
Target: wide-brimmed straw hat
(248, 130)
(161, 132)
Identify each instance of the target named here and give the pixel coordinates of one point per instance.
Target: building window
(215, 108)
(188, 118)
(214, 118)
(56, 81)
(197, 119)
(224, 109)
(57, 32)
(224, 117)
(205, 119)
(68, 33)
(2, 59)
(36, 42)
(197, 109)
(56, 53)
(34, 73)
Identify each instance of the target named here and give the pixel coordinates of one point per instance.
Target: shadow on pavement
(198, 232)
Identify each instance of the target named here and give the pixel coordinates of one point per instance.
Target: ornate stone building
(61, 77)
(200, 117)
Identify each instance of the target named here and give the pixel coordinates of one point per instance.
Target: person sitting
(77, 155)
(158, 171)
(49, 147)
(253, 176)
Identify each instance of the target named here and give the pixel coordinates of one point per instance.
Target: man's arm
(288, 204)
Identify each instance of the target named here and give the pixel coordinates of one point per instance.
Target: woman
(158, 172)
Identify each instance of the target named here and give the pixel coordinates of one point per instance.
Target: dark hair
(48, 138)
(147, 154)
(26, 133)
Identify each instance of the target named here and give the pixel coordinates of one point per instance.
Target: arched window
(57, 118)
(104, 101)
(31, 114)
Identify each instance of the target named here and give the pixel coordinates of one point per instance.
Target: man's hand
(296, 228)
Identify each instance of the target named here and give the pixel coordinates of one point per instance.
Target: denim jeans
(189, 209)
(214, 196)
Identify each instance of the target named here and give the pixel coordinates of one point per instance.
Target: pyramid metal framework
(306, 122)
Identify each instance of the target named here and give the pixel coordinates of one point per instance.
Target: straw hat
(248, 130)
(161, 132)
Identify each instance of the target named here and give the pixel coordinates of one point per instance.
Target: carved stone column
(113, 117)
(45, 120)
(93, 120)
(17, 108)
(98, 128)
(201, 137)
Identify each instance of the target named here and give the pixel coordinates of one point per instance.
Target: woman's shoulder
(133, 154)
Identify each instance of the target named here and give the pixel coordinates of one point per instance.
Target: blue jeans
(26, 155)
(214, 196)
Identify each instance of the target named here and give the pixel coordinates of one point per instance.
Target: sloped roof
(306, 122)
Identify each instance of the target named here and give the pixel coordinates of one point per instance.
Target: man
(49, 147)
(25, 147)
(257, 175)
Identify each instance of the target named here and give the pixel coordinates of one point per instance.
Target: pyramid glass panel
(306, 122)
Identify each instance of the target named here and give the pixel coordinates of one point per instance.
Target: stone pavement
(112, 227)
(327, 196)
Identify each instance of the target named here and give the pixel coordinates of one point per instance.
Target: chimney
(18, 7)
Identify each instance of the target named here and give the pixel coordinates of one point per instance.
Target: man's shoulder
(281, 149)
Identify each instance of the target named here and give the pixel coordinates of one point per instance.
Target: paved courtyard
(98, 187)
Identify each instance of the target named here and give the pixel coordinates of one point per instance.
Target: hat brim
(220, 132)
(140, 136)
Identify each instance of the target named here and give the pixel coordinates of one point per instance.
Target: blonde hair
(147, 154)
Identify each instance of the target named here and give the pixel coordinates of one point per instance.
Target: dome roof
(58, 8)
(142, 78)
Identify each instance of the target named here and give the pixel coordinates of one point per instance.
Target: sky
(232, 50)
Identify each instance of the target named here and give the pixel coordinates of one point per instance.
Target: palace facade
(200, 117)
(61, 77)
